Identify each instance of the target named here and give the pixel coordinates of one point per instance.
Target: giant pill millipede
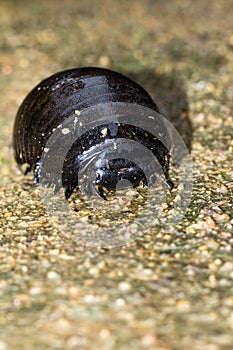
(53, 100)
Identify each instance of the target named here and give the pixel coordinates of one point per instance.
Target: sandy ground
(168, 289)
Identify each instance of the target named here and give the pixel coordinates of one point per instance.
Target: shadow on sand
(168, 93)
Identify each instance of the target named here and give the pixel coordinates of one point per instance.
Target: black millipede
(56, 98)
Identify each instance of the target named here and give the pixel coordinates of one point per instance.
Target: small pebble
(35, 291)
(227, 266)
(221, 217)
(183, 305)
(210, 222)
(124, 286)
(73, 292)
(149, 340)
(120, 302)
(52, 275)
(3, 345)
(104, 333)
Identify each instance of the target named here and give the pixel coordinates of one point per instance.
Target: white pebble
(120, 302)
(124, 286)
(52, 275)
(65, 131)
(3, 345)
(104, 131)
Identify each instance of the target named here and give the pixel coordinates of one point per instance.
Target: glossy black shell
(58, 96)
